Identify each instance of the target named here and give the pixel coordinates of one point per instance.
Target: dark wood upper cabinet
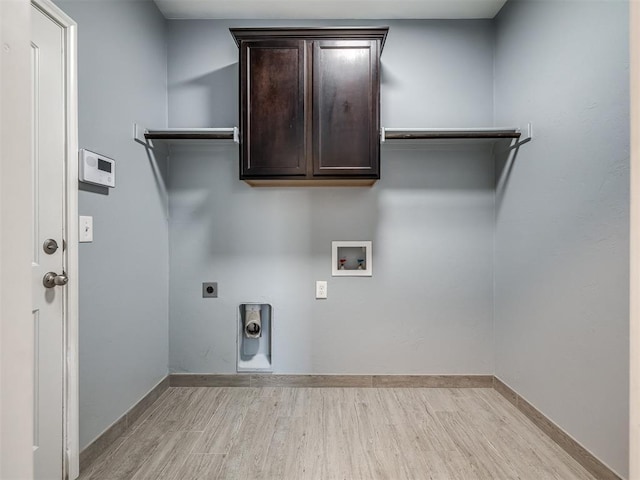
(310, 105)
(346, 96)
(273, 110)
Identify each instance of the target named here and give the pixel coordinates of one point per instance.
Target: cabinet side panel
(273, 108)
(346, 97)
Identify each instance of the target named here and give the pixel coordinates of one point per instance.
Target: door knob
(51, 279)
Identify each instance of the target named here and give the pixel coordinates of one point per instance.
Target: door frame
(71, 436)
(634, 262)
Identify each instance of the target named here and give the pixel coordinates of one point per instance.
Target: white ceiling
(328, 9)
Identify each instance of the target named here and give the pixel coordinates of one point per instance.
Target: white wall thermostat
(97, 169)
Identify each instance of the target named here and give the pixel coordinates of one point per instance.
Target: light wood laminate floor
(333, 433)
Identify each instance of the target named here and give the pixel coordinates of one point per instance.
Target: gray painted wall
(423, 84)
(561, 220)
(124, 272)
(428, 307)
(562, 278)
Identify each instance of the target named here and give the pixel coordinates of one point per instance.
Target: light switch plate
(85, 229)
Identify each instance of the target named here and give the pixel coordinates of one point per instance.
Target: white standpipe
(253, 321)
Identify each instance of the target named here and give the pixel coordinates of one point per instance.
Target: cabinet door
(346, 98)
(272, 79)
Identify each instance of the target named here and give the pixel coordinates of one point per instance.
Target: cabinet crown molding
(310, 33)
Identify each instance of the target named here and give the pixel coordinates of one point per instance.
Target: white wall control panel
(85, 229)
(97, 169)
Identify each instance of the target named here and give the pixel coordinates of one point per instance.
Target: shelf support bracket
(527, 139)
(138, 135)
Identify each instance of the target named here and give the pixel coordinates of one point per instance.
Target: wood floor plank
(173, 409)
(130, 455)
(450, 466)
(301, 401)
(247, 455)
(285, 457)
(336, 456)
(439, 399)
(185, 409)
(314, 437)
(287, 397)
(166, 461)
(540, 452)
(158, 404)
(284, 433)
(360, 450)
(201, 410)
(279, 453)
(200, 466)
(505, 437)
(102, 459)
(485, 459)
(219, 433)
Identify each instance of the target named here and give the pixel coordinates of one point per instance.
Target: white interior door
(48, 176)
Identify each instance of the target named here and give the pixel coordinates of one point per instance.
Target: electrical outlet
(321, 289)
(210, 290)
